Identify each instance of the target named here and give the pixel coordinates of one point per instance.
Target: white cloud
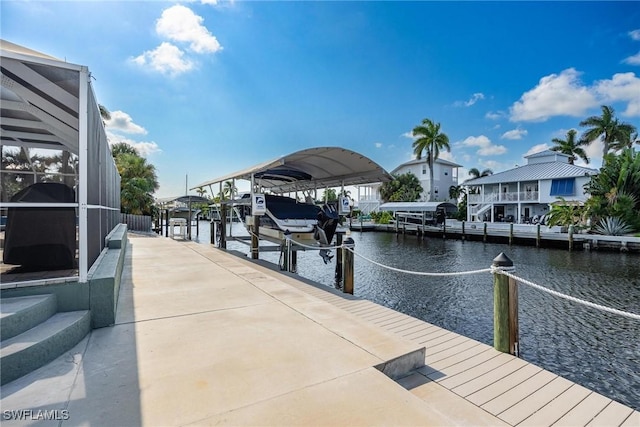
(446, 155)
(514, 134)
(633, 59)
(494, 115)
(378, 145)
(537, 148)
(555, 95)
(213, 2)
(623, 87)
(166, 58)
(180, 24)
(494, 165)
(474, 98)
(485, 146)
(144, 148)
(123, 122)
(409, 135)
(635, 35)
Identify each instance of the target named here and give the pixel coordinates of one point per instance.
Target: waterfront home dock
(204, 337)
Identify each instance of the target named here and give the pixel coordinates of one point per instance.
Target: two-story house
(445, 175)
(520, 194)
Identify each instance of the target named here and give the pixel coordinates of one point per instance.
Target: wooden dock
(527, 235)
(517, 392)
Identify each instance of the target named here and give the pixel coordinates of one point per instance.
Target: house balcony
(523, 196)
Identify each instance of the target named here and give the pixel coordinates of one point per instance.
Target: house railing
(523, 196)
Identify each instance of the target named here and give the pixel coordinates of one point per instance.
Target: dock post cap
(349, 242)
(502, 261)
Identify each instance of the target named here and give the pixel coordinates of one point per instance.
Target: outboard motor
(324, 231)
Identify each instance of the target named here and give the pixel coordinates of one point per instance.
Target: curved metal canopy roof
(310, 169)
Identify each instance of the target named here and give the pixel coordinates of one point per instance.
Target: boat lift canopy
(417, 206)
(310, 169)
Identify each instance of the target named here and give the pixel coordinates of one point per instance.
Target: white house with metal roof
(445, 175)
(520, 194)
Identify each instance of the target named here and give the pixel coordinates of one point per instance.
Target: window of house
(446, 173)
(424, 169)
(562, 187)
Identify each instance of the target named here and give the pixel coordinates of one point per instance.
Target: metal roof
(415, 206)
(310, 169)
(534, 172)
(39, 98)
(423, 161)
(546, 153)
(182, 199)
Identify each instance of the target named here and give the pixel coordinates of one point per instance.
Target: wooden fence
(137, 222)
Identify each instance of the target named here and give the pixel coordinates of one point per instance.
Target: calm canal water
(600, 351)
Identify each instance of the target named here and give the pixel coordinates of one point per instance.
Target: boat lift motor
(324, 231)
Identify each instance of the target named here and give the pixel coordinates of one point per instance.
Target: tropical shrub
(615, 191)
(381, 217)
(612, 226)
(403, 188)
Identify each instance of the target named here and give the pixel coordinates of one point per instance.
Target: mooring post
(255, 241)
(166, 223)
(571, 237)
(484, 235)
(505, 308)
(444, 227)
(510, 233)
(538, 236)
(222, 242)
(212, 232)
(338, 273)
(347, 265)
(286, 262)
(197, 225)
(463, 236)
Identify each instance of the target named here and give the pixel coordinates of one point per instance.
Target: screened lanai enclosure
(59, 187)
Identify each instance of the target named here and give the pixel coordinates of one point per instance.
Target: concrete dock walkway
(205, 338)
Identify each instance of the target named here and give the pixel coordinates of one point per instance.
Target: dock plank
(474, 372)
(514, 395)
(507, 383)
(583, 412)
(557, 408)
(613, 415)
(489, 378)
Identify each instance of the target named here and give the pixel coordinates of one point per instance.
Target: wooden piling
(570, 237)
(222, 242)
(463, 235)
(505, 309)
(255, 241)
(338, 272)
(347, 266)
(166, 223)
(510, 233)
(538, 236)
(484, 236)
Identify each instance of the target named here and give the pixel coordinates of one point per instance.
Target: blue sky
(207, 88)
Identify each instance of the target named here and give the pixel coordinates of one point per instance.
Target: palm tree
(628, 143)
(229, 190)
(455, 191)
(475, 173)
(431, 141)
(606, 127)
(570, 147)
(201, 191)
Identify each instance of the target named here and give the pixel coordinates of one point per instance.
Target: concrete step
(41, 344)
(19, 314)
